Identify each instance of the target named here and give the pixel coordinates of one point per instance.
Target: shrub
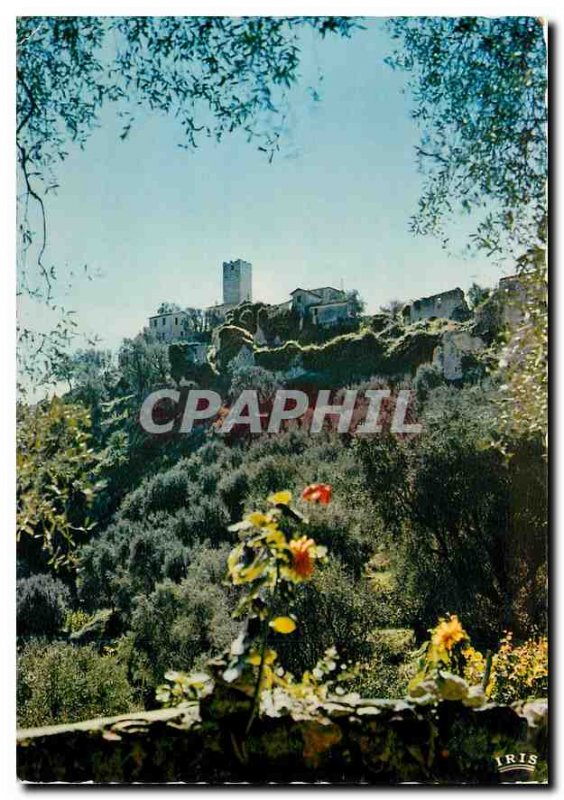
(259, 379)
(386, 672)
(279, 359)
(413, 348)
(468, 528)
(334, 610)
(42, 605)
(178, 625)
(517, 672)
(233, 490)
(63, 683)
(427, 377)
(231, 341)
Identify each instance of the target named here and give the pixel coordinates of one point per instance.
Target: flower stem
(256, 695)
(264, 642)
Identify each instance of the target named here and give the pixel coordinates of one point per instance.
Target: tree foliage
(56, 477)
(144, 364)
(61, 683)
(215, 75)
(523, 360)
(478, 86)
(42, 602)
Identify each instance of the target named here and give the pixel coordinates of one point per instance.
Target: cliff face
(346, 741)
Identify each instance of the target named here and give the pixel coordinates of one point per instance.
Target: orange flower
(448, 633)
(317, 493)
(303, 556)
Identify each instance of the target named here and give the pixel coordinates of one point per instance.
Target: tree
(168, 308)
(56, 480)
(194, 320)
(356, 303)
(468, 528)
(478, 86)
(90, 375)
(143, 363)
(392, 308)
(215, 75)
(477, 294)
(523, 362)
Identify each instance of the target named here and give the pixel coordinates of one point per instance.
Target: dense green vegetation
(417, 527)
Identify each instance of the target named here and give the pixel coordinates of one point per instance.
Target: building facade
(170, 326)
(322, 306)
(446, 305)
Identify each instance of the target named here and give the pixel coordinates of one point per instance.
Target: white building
(169, 326)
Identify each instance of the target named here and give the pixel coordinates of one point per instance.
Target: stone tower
(237, 282)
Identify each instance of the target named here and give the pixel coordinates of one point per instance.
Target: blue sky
(155, 222)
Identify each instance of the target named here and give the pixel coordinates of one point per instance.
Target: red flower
(317, 493)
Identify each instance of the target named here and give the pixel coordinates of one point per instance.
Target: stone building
(237, 282)
(323, 306)
(445, 305)
(237, 289)
(170, 326)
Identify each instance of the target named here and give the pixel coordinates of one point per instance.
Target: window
(164, 320)
(176, 320)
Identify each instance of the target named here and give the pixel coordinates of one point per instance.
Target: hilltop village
(293, 337)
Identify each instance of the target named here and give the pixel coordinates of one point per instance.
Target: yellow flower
(240, 572)
(283, 625)
(254, 657)
(281, 498)
(448, 633)
(259, 520)
(256, 519)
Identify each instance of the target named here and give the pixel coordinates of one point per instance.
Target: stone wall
(446, 305)
(450, 354)
(237, 282)
(347, 741)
